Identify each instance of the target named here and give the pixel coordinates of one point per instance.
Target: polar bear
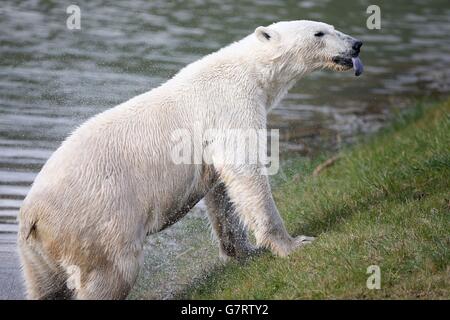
(112, 181)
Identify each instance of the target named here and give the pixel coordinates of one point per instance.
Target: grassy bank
(385, 202)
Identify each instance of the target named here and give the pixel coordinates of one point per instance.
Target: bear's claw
(302, 240)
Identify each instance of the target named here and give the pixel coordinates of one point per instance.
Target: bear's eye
(266, 35)
(319, 34)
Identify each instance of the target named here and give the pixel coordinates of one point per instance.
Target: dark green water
(52, 79)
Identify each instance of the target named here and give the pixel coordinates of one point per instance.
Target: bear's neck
(274, 82)
(273, 92)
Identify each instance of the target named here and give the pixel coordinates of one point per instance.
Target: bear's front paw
(302, 240)
(285, 248)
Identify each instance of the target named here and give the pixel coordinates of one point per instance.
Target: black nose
(357, 45)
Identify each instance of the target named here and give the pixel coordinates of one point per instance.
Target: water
(52, 79)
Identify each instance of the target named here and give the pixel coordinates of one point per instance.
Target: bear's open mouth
(350, 62)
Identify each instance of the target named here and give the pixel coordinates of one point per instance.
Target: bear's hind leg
(43, 279)
(104, 284)
(111, 281)
(226, 225)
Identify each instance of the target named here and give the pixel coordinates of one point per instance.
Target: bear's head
(298, 47)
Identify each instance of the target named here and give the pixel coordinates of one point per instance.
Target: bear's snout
(356, 46)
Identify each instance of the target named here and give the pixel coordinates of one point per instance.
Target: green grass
(385, 202)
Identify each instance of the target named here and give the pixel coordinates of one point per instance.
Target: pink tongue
(358, 66)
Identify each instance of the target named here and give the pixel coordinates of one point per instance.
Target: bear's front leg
(225, 223)
(249, 191)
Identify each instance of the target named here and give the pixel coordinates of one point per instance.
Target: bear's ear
(265, 34)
